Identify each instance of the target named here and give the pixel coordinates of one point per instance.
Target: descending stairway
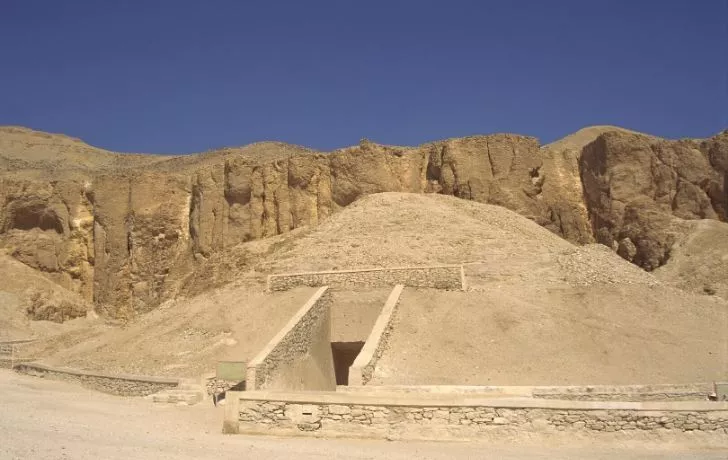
(188, 392)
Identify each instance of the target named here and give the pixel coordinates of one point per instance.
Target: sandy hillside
(24, 148)
(570, 315)
(401, 229)
(539, 310)
(182, 338)
(699, 259)
(545, 333)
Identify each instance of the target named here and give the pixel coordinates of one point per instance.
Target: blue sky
(184, 76)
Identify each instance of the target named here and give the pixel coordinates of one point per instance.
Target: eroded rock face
(128, 235)
(635, 187)
(49, 226)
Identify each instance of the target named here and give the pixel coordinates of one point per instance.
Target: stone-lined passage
(299, 356)
(361, 371)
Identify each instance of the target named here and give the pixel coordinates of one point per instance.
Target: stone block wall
(392, 420)
(11, 346)
(120, 385)
(299, 356)
(449, 277)
(8, 362)
(661, 392)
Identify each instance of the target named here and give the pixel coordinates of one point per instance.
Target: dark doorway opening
(344, 354)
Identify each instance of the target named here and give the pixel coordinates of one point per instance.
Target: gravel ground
(54, 420)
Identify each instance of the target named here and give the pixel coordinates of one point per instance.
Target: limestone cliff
(636, 186)
(128, 231)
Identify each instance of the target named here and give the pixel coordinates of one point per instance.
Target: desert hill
(128, 232)
(23, 148)
(31, 304)
(595, 317)
(699, 259)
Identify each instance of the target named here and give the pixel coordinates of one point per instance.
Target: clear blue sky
(183, 76)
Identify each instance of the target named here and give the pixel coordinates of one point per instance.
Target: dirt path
(53, 420)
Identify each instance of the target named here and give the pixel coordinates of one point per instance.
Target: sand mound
(400, 229)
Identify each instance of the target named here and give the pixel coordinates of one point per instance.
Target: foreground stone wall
(361, 371)
(439, 277)
(696, 392)
(299, 356)
(120, 385)
(327, 415)
(624, 393)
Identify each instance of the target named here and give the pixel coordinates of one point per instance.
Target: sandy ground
(55, 420)
(182, 338)
(555, 334)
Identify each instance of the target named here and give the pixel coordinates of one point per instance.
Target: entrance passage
(344, 354)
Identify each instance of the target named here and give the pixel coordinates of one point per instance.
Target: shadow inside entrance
(344, 354)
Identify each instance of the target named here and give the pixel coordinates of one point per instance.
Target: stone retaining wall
(11, 346)
(361, 371)
(439, 277)
(9, 363)
(120, 385)
(299, 356)
(696, 392)
(394, 418)
(658, 392)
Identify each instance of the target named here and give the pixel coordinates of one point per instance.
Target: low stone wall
(120, 385)
(299, 356)
(9, 347)
(440, 277)
(329, 414)
(6, 362)
(661, 392)
(361, 371)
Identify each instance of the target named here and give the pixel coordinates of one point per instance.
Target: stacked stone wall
(449, 277)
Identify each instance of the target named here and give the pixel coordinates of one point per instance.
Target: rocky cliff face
(128, 233)
(635, 187)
